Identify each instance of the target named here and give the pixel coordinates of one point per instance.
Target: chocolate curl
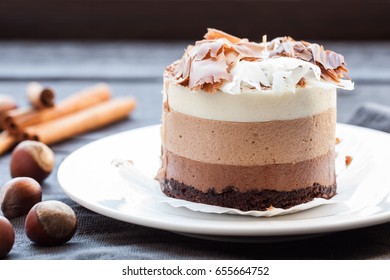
(214, 34)
(332, 65)
(209, 72)
(206, 65)
(202, 66)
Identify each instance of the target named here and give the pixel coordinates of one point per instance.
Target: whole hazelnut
(50, 223)
(18, 195)
(7, 237)
(32, 159)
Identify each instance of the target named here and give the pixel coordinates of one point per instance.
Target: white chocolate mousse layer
(251, 105)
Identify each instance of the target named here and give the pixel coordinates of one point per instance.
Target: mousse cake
(251, 125)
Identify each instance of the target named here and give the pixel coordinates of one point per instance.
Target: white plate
(88, 177)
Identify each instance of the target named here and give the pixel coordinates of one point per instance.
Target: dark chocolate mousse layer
(250, 200)
(279, 177)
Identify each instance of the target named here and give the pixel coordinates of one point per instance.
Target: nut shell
(32, 159)
(50, 223)
(7, 237)
(18, 195)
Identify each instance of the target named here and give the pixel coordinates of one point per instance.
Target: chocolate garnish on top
(206, 65)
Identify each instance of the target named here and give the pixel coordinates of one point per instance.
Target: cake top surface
(222, 62)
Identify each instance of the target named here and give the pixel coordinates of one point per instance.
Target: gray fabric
(372, 115)
(100, 237)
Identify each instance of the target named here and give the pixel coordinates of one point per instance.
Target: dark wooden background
(188, 19)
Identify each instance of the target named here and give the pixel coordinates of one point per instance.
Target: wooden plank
(77, 60)
(175, 19)
(20, 60)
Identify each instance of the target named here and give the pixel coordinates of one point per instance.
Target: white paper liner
(353, 192)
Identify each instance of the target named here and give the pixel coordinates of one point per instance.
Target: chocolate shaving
(328, 59)
(207, 49)
(348, 160)
(214, 34)
(332, 64)
(207, 64)
(249, 50)
(301, 82)
(302, 52)
(209, 74)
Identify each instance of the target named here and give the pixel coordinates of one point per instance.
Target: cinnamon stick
(15, 120)
(40, 97)
(77, 123)
(6, 103)
(7, 141)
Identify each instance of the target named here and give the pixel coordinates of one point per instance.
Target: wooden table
(135, 68)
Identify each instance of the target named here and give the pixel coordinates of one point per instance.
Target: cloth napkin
(372, 115)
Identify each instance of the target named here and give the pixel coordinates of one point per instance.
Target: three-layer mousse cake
(250, 125)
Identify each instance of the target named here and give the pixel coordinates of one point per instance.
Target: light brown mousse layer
(249, 143)
(280, 177)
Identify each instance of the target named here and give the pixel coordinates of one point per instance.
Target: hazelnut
(7, 237)
(32, 159)
(50, 223)
(18, 195)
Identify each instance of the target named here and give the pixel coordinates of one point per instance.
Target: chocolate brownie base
(251, 200)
